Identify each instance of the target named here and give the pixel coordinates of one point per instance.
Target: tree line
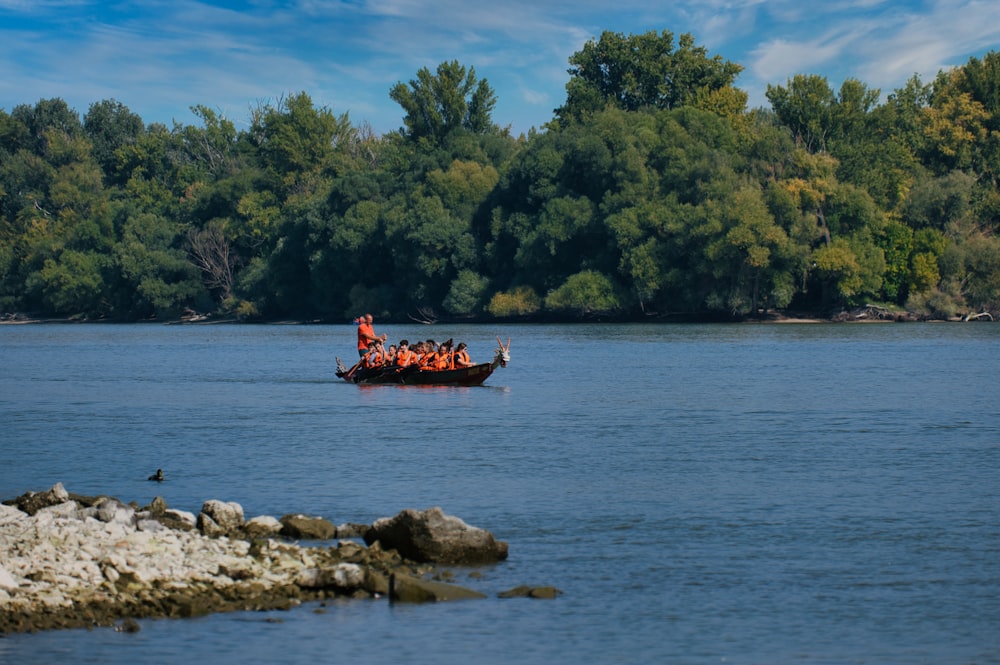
(652, 190)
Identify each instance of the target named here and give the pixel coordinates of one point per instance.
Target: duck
(158, 476)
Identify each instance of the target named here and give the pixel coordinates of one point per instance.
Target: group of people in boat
(425, 355)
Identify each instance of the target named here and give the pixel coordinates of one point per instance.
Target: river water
(794, 493)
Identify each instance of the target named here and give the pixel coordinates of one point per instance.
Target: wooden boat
(473, 375)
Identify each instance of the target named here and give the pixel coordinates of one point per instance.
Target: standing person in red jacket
(366, 334)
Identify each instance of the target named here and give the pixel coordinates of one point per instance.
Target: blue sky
(160, 57)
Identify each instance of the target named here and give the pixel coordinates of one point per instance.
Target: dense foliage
(651, 190)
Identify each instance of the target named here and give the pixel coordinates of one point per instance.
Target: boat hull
(464, 376)
(414, 376)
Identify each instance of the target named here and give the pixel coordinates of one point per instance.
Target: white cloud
(159, 58)
(780, 59)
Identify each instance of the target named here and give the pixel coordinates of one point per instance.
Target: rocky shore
(71, 561)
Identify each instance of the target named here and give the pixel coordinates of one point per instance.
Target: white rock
(10, 515)
(112, 510)
(150, 526)
(262, 526)
(66, 509)
(41, 519)
(209, 526)
(63, 555)
(114, 530)
(7, 580)
(59, 492)
(348, 575)
(182, 515)
(227, 514)
(309, 578)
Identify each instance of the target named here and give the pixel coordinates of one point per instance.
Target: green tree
(837, 266)
(465, 296)
(438, 104)
(110, 126)
(71, 284)
(634, 72)
(299, 141)
(150, 164)
(749, 251)
(851, 113)
(870, 152)
(345, 251)
(940, 202)
(587, 292)
(46, 116)
(956, 127)
(463, 187)
(211, 148)
(564, 236)
(14, 134)
(806, 107)
(964, 118)
(432, 245)
(896, 243)
(159, 278)
(981, 284)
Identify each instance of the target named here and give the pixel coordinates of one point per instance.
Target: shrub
(519, 301)
(585, 292)
(466, 293)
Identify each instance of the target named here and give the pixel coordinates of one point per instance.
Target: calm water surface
(702, 494)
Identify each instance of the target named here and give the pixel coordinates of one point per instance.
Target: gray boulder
(262, 526)
(433, 537)
(345, 577)
(158, 506)
(409, 589)
(351, 530)
(525, 591)
(113, 510)
(179, 520)
(209, 527)
(304, 527)
(220, 517)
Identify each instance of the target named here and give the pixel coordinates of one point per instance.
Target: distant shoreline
(869, 314)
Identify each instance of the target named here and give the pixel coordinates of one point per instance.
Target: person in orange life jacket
(442, 359)
(462, 358)
(405, 356)
(390, 355)
(428, 354)
(376, 355)
(366, 334)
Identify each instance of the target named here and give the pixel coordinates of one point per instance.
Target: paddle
(347, 374)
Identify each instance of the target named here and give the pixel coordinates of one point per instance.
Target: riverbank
(69, 561)
(679, 318)
(864, 314)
